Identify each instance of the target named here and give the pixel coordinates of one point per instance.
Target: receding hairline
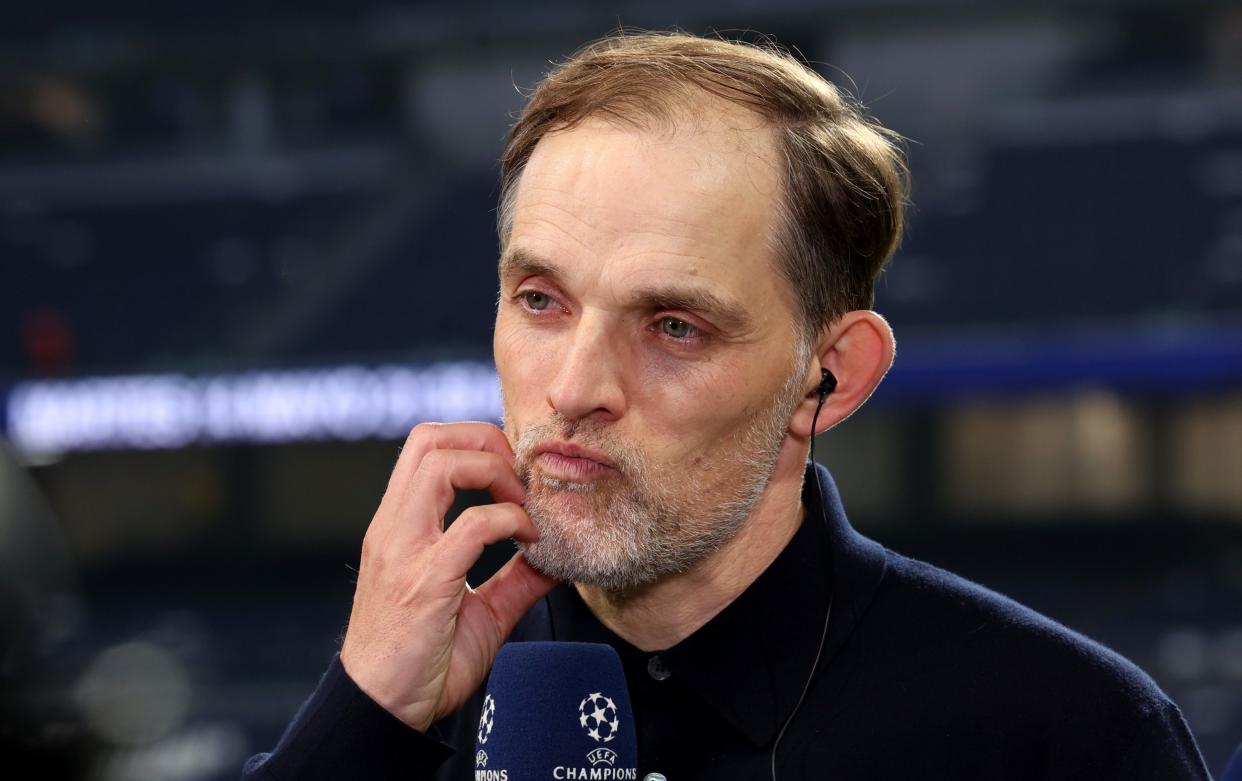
(696, 111)
(830, 152)
(703, 78)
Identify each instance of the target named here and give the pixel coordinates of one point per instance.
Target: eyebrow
(725, 314)
(526, 263)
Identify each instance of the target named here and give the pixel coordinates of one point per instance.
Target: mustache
(626, 459)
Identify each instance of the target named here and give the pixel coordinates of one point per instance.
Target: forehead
(697, 198)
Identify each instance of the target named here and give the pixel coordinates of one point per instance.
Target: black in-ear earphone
(827, 384)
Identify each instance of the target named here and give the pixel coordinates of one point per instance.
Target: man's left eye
(536, 300)
(677, 329)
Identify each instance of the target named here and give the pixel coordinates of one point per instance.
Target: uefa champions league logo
(487, 720)
(598, 716)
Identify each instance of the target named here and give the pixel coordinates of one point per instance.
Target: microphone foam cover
(556, 711)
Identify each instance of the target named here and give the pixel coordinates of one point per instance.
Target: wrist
(414, 713)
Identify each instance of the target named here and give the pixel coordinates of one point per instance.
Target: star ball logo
(487, 720)
(598, 716)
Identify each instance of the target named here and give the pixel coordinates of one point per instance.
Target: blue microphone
(556, 711)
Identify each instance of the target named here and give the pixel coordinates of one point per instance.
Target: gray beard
(636, 530)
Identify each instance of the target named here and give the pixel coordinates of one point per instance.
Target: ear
(858, 349)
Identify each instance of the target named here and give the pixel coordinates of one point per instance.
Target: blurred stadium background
(244, 249)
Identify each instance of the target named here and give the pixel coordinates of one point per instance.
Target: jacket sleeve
(340, 732)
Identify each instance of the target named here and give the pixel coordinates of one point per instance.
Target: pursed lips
(567, 461)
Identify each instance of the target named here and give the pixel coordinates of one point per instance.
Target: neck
(662, 614)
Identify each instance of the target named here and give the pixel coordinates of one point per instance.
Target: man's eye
(536, 300)
(677, 329)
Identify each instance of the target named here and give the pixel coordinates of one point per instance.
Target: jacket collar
(751, 661)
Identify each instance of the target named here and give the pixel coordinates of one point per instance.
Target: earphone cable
(827, 616)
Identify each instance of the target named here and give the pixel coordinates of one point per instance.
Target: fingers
(417, 514)
(426, 437)
(511, 592)
(417, 635)
(442, 471)
(477, 527)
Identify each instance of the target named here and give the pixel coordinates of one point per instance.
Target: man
(690, 234)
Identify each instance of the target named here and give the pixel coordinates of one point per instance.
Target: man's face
(646, 345)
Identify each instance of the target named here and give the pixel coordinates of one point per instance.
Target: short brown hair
(846, 182)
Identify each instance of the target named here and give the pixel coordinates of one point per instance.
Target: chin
(615, 544)
(614, 577)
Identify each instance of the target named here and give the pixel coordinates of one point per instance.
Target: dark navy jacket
(922, 675)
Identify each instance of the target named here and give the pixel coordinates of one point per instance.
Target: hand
(420, 640)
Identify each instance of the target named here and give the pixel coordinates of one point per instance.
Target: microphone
(556, 711)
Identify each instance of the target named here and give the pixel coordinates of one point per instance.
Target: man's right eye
(536, 300)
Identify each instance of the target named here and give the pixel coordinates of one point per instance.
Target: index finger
(426, 437)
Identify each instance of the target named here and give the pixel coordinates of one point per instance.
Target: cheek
(682, 410)
(523, 360)
(693, 409)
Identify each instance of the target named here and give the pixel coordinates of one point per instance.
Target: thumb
(512, 591)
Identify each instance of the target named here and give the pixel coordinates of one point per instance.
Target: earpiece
(827, 383)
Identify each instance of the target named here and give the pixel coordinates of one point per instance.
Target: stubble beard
(631, 528)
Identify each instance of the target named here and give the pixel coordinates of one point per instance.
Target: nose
(589, 380)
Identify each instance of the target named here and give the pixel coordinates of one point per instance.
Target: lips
(567, 461)
(570, 450)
